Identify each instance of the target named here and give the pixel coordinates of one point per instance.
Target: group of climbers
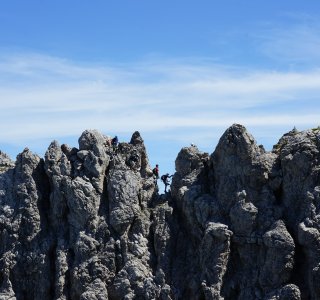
(112, 142)
(164, 178)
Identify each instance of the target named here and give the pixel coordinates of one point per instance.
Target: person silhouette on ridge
(155, 172)
(165, 180)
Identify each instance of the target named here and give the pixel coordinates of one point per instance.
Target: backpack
(114, 141)
(155, 171)
(163, 178)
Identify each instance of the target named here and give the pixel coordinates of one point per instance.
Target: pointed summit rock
(88, 222)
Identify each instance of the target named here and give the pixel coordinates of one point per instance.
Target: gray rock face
(88, 223)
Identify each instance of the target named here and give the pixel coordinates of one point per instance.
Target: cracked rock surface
(88, 223)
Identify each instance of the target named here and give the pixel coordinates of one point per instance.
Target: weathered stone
(87, 223)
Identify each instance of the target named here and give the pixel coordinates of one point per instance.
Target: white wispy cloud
(296, 41)
(43, 96)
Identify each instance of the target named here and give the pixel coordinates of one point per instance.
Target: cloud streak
(297, 41)
(44, 96)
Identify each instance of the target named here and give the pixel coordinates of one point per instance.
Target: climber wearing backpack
(155, 172)
(165, 180)
(114, 143)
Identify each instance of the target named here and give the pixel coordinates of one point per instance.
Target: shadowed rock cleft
(88, 223)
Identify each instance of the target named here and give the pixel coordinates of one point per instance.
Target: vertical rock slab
(88, 223)
(123, 195)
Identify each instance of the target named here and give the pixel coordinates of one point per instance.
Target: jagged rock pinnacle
(88, 223)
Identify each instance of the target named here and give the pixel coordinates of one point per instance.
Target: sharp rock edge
(89, 223)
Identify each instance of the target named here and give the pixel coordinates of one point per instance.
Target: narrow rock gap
(299, 273)
(151, 248)
(52, 261)
(234, 166)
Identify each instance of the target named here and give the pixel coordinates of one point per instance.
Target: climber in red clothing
(155, 172)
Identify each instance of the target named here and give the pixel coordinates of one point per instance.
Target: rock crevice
(89, 223)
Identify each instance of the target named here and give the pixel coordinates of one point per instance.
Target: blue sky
(180, 72)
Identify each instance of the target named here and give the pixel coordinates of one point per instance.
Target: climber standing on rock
(114, 143)
(155, 172)
(165, 180)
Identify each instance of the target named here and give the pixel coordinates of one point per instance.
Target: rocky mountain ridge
(89, 223)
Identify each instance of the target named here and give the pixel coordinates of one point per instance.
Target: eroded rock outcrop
(88, 222)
